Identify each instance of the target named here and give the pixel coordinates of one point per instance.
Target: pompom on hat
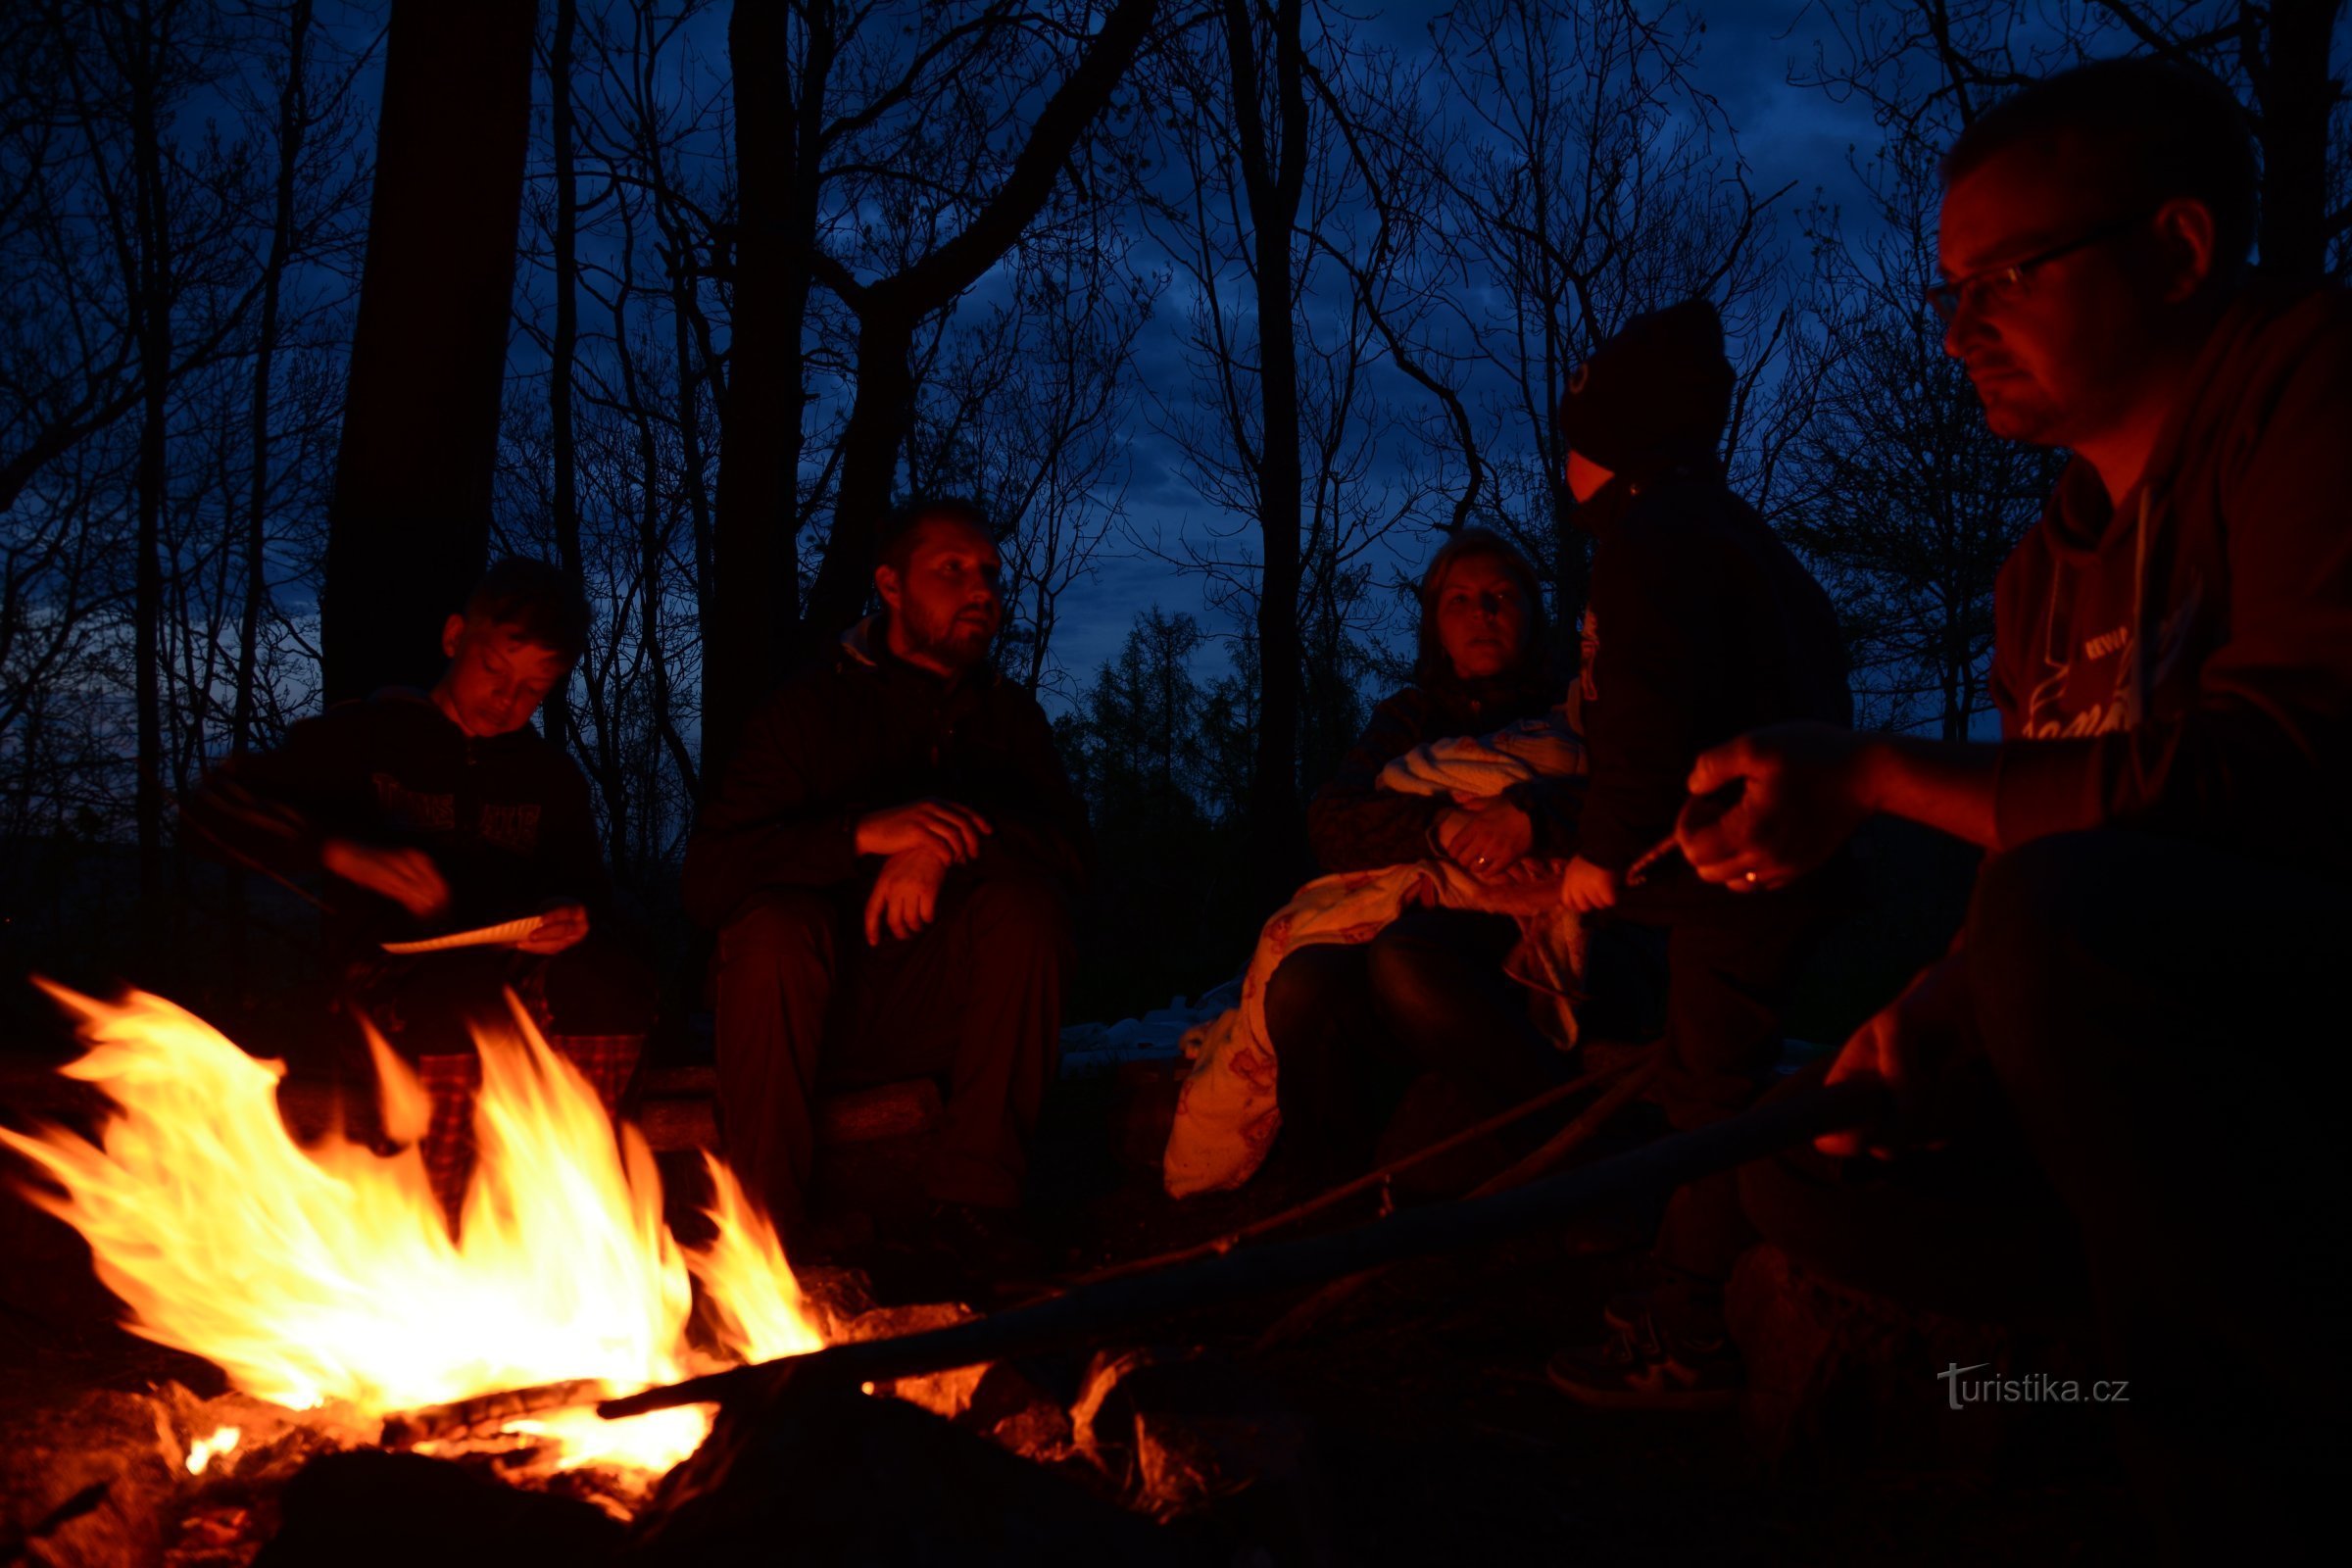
(1659, 391)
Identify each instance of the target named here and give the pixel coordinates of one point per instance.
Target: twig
(1220, 1245)
(1096, 1312)
(1299, 1319)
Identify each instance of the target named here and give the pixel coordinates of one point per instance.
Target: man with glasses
(2100, 1093)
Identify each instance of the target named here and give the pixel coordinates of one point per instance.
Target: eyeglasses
(2008, 281)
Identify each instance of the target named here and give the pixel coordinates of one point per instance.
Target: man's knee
(2037, 907)
(1015, 915)
(793, 929)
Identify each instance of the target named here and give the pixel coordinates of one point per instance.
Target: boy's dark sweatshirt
(2181, 662)
(1353, 824)
(860, 730)
(1701, 626)
(505, 819)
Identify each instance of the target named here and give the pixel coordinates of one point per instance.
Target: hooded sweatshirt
(507, 819)
(2182, 662)
(1701, 626)
(860, 730)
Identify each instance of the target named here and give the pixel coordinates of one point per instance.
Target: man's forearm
(1946, 785)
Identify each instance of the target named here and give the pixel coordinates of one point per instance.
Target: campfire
(325, 1280)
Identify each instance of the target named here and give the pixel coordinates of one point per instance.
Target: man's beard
(956, 641)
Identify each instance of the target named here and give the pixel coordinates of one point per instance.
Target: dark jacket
(2182, 663)
(507, 819)
(1351, 823)
(860, 730)
(1700, 626)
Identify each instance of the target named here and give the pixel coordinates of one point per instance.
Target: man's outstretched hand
(408, 877)
(953, 830)
(1802, 796)
(906, 896)
(1910, 1046)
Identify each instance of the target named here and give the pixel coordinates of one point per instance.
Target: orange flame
(330, 1276)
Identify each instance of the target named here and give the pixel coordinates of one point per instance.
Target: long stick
(1096, 1311)
(1594, 1118)
(1216, 1246)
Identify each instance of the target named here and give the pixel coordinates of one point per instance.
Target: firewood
(1096, 1312)
(485, 1414)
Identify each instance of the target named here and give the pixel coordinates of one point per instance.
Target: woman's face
(1481, 618)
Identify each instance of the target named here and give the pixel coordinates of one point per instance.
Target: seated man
(444, 812)
(889, 862)
(2105, 1083)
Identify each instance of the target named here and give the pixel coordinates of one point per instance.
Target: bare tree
(410, 517)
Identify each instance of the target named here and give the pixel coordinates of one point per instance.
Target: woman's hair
(1430, 662)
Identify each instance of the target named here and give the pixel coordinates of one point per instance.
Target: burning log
(1094, 1312)
(486, 1415)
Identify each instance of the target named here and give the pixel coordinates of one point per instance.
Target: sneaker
(1650, 1363)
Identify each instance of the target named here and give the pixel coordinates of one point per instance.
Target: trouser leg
(1970, 1230)
(777, 963)
(1438, 978)
(2151, 1009)
(1339, 1074)
(974, 998)
(1732, 959)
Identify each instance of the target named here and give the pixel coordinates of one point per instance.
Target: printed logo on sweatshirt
(511, 827)
(416, 809)
(2085, 695)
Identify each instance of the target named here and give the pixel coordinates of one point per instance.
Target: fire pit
(325, 1283)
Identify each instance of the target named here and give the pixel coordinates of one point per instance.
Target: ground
(1430, 1433)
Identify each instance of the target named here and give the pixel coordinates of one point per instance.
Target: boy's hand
(953, 830)
(906, 896)
(408, 877)
(1587, 888)
(560, 925)
(1489, 835)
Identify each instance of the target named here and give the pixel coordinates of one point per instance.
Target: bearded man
(888, 863)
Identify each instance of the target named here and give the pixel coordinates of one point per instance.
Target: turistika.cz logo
(2032, 1387)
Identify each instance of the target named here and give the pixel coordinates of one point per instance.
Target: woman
(1349, 1024)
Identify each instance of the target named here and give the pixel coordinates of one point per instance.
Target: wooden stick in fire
(1098, 1311)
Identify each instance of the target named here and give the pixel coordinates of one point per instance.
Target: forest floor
(1435, 1437)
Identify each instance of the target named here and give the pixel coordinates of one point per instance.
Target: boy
(444, 810)
(1700, 625)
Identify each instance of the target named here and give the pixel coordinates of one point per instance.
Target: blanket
(1229, 1108)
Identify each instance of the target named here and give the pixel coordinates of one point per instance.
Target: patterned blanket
(1229, 1109)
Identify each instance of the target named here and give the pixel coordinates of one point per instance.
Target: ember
(327, 1279)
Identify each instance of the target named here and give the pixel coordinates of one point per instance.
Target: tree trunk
(409, 520)
(1273, 174)
(756, 588)
(563, 349)
(2296, 96)
(290, 127)
(153, 283)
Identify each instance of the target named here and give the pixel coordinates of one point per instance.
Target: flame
(330, 1276)
(203, 1450)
